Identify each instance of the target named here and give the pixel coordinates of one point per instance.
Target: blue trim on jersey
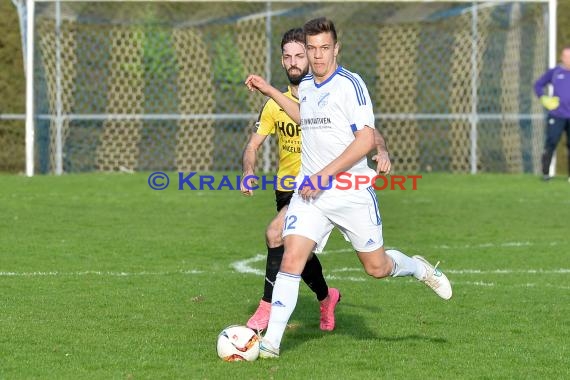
(318, 85)
(357, 87)
(353, 127)
(375, 200)
(307, 77)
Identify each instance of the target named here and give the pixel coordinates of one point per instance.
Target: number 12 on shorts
(290, 222)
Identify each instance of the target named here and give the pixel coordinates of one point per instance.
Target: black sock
(546, 158)
(313, 277)
(272, 265)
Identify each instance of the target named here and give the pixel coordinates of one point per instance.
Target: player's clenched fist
(248, 183)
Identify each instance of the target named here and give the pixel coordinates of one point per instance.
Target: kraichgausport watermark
(341, 181)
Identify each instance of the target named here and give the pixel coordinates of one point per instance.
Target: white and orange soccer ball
(238, 343)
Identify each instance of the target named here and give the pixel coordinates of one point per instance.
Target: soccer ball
(238, 343)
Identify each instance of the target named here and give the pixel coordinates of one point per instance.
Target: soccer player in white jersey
(337, 129)
(273, 120)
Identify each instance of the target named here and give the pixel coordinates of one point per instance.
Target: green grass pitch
(103, 278)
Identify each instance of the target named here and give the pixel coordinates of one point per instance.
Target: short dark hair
(318, 26)
(293, 35)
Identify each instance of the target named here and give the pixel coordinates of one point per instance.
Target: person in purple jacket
(558, 106)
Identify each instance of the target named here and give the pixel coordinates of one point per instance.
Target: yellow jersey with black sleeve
(273, 120)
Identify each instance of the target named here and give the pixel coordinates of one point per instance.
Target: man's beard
(296, 79)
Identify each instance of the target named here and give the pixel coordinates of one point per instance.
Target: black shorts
(282, 198)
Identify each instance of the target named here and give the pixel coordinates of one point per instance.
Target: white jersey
(331, 112)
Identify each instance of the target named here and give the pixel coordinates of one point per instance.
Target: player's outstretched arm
(255, 82)
(382, 157)
(249, 157)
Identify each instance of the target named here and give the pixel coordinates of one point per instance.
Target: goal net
(142, 86)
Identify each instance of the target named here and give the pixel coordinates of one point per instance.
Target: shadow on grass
(304, 325)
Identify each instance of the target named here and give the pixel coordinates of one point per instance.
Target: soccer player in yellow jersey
(273, 120)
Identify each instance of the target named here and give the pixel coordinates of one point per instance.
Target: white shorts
(356, 215)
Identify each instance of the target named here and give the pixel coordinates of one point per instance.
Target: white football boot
(435, 279)
(266, 350)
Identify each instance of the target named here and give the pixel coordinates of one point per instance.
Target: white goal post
(257, 24)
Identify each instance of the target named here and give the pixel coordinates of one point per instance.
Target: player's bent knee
(273, 237)
(377, 271)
